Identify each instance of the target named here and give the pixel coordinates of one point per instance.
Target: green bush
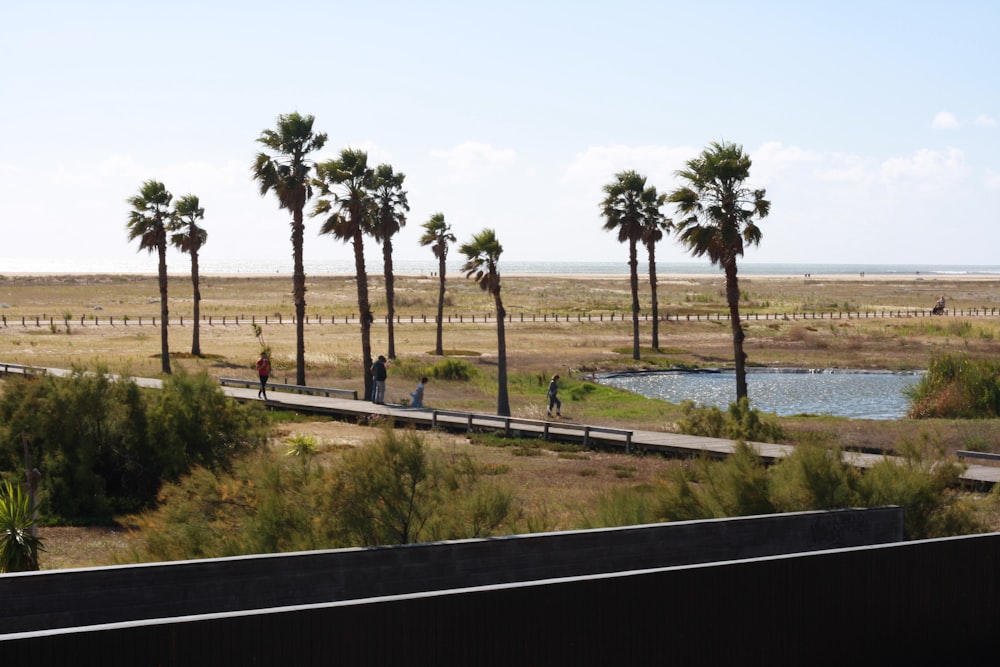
(390, 491)
(957, 387)
(813, 478)
(19, 547)
(739, 422)
(631, 506)
(921, 480)
(451, 369)
(191, 422)
(104, 446)
(737, 486)
(394, 491)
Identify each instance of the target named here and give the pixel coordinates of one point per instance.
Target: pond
(790, 391)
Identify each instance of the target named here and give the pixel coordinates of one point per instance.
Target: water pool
(843, 393)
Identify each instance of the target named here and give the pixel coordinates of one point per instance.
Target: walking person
(263, 372)
(553, 396)
(379, 374)
(418, 393)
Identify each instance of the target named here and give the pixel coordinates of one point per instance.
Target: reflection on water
(842, 393)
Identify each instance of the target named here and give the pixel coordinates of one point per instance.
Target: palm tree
(285, 171)
(390, 216)
(718, 220)
(188, 237)
(148, 221)
(345, 186)
(626, 209)
(482, 254)
(654, 225)
(437, 235)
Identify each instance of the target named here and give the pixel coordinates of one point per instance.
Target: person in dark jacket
(379, 375)
(553, 396)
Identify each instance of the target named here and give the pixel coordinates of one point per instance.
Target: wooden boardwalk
(325, 401)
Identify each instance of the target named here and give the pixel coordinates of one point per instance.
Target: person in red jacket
(263, 372)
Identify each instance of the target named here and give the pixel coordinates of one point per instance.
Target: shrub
(191, 422)
(813, 478)
(19, 546)
(451, 369)
(630, 506)
(737, 486)
(103, 446)
(957, 387)
(739, 422)
(921, 480)
(391, 491)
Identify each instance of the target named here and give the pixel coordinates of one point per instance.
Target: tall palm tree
(654, 225)
(345, 186)
(390, 216)
(285, 171)
(482, 254)
(625, 210)
(437, 235)
(148, 221)
(188, 237)
(717, 219)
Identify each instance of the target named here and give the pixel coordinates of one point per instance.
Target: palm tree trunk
(652, 289)
(195, 282)
(299, 296)
(389, 291)
(633, 263)
(503, 401)
(439, 345)
(164, 310)
(364, 309)
(733, 299)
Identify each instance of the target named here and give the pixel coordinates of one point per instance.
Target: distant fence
(483, 318)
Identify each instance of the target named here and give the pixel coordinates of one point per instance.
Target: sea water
(143, 264)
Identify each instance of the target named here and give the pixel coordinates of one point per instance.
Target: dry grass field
(89, 320)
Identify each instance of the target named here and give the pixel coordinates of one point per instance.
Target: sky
(872, 125)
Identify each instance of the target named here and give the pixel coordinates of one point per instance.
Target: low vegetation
(739, 422)
(922, 481)
(19, 545)
(958, 387)
(104, 446)
(395, 490)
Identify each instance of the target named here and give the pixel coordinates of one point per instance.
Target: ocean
(180, 266)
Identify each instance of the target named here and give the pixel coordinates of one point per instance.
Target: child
(418, 394)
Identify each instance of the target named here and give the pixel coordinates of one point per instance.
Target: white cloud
(931, 169)
(774, 158)
(597, 165)
(945, 120)
(467, 161)
(982, 120)
(992, 179)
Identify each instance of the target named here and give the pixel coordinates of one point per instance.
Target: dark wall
(58, 599)
(932, 602)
